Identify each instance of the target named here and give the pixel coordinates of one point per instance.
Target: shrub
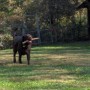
(6, 41)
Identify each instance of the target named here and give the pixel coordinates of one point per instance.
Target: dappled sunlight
(56, 55)
(64, 81)
(51, 56)
(6, 57)
(51, 67)
(76, 59)
(15, 64)
(48, 78)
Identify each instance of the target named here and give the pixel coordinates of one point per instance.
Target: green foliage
(6, 40)
(19, 2)
(58, 14)
(4, 5)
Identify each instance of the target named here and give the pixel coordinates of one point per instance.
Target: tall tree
(86, 4)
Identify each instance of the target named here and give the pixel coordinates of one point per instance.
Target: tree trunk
(88, 15)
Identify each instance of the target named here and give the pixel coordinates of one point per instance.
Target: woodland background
(53, 21)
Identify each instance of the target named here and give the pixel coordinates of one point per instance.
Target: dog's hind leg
(20, 56)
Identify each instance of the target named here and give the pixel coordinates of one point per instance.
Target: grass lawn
(53, 67)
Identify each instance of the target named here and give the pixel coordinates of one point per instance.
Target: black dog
(22, 45)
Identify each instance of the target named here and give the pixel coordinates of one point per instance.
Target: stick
(29, 41)
(25, 42)
(34, 39)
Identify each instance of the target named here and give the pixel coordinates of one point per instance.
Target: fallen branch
(34, 39)
(29, 40)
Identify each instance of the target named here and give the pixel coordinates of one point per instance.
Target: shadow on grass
(74, 48)
(44, 76)
(52, 67)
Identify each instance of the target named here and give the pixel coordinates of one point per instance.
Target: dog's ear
(29, 37)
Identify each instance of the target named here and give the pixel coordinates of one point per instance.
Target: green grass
(53, 67)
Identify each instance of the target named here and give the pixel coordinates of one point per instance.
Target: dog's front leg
(14, 55)
(20, 56)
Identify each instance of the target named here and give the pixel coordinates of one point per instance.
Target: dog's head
(26, 40)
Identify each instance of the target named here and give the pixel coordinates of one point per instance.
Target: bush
(6, 41)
